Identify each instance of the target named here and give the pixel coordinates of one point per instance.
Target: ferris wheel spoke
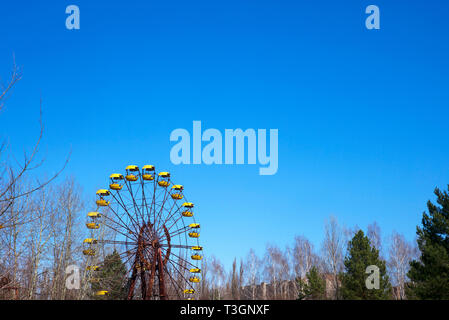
(176, 246)
(120, 223)
(181, 274)
(124, 227)
(128, 259)
(163, 225)
(175, 223)
(131, 282)
(127, 255)
(116, 230)
(181, 259)
(122, 204)
(144, 201)
(177, 232)
(170, 215)
(153, 203)
(162, 206)
(116, 242)
(183, 264)
(132, 206)
(136, 207)
(174, 282)
(125, 279)
(175, 266)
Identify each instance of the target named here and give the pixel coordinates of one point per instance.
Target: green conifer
(360, 256)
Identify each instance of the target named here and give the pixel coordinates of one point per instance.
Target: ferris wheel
(146, 220)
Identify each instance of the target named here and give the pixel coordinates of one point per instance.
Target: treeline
(301, 271)
(350, 264)
(41, 240)
(46, 229)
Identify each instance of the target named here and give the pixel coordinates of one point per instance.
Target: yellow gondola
(131, 177)
(103, 192)
(147, 177)
(1, 226)
(196, 250)
(115, 186)
(93, 268)
(189, 291)
(165, 176)
(94, 215)
(92, 225)
(196, 257)
(89, 252)
(194, 279)
(177, 195)
(147, 172)
(132, 173)
(101, 201)
(195, 270)
(115, 181)
(194, 233)
(187, 213)
(163, 183)
(102, 293)
(90, 241)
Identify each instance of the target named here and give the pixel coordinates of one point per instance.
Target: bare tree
(65, 245)
(15, 76)
(12, 174)
(304, 257)
(252, 274)
(276, 269)
(332, 249)
(241, 275)
(34, 255)
(39, 237)
(217, 278)
(401, 252)
(235, 281)
(13, 241)
(374, 236)
(23, 219)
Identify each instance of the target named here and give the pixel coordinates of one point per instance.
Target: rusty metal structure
(147, 220)
(7, 290)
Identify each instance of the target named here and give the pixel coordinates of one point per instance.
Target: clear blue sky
(362, 114)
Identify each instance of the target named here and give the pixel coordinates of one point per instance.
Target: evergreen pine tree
(361, 255)
(430, 274)
(314, 288)
(112, 278)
